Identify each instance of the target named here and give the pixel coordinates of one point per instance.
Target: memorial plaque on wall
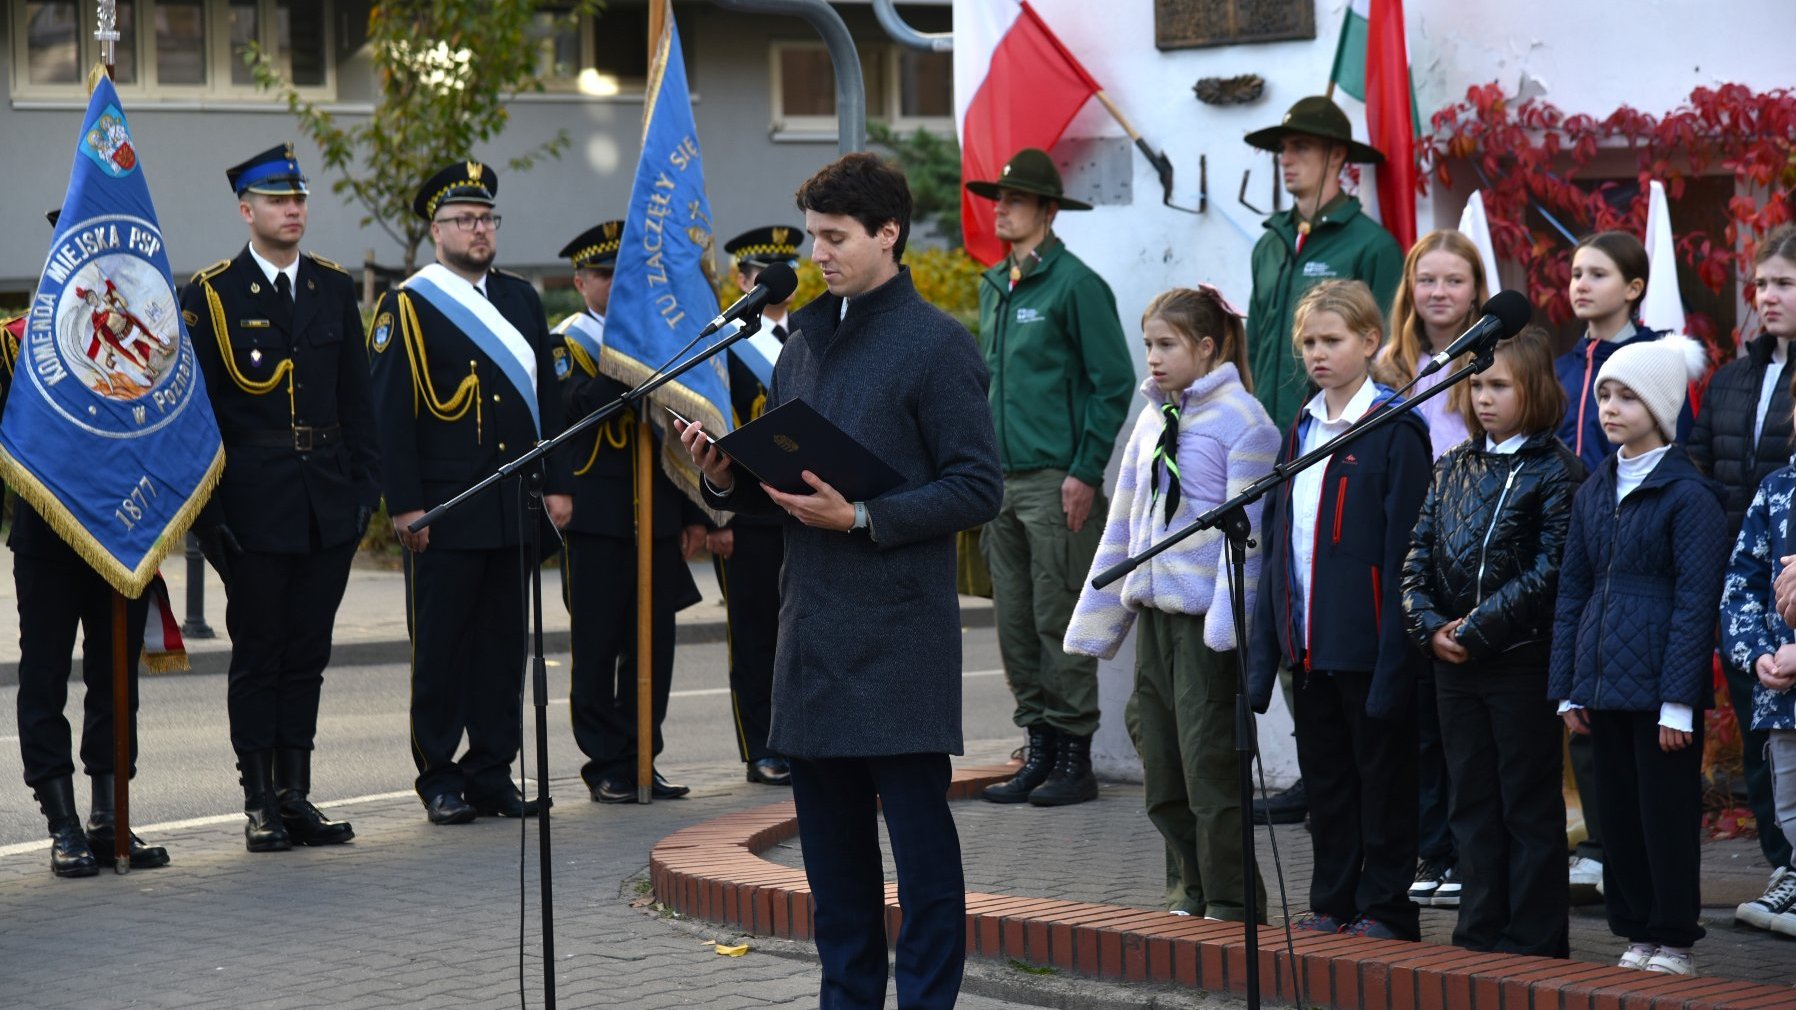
(1189, 24)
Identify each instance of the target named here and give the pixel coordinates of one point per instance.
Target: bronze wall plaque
(1191, 24)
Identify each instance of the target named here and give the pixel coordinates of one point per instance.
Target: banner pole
(645, 659)
(121, 739)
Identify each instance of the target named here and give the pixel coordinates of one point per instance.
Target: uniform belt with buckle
(299, 438)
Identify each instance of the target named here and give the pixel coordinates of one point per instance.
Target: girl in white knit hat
(1633, 639)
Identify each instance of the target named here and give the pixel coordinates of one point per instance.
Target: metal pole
(122, 718)
(851, 88)
(195, 625)
(905, 35)
(645, 653)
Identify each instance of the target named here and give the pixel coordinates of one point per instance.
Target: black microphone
(776, 284)
(1501, 318)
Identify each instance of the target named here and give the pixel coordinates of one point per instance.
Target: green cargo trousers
(1037, 567)
(1182, 719)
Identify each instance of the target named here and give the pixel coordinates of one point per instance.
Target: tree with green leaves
(443, 70)
(931, 164)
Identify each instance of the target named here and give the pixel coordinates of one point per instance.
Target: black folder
(780, 445)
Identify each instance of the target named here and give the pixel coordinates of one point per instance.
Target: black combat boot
(102, 818)
(69, 854)
(1038, 761)
(305, 823)
(1071, 781)
(264, 832)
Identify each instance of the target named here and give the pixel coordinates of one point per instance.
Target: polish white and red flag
(1015, 86)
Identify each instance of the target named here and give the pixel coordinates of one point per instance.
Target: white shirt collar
(1508, 446)
(271, 271)
(1357, 406)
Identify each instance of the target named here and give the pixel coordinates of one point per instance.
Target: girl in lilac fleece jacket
(1201, 439)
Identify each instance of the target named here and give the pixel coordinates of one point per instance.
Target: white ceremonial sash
(461, 303)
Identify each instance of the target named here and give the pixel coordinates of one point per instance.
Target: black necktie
(779, 332)
(1166, 460)
(282, 309)
(284, 286)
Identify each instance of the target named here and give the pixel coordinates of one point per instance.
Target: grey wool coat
(868, 662)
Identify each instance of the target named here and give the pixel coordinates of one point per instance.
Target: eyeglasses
(469, 222)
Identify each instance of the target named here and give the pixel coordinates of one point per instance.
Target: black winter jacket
(1487, 545)
(1721, 444)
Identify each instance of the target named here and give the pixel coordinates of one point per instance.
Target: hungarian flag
(1372, 65)
(1015, 86)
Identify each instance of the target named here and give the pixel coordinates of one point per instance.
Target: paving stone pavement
(1108, 852)
(409, 915)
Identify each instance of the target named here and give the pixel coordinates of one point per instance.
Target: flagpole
(645, 542)
(106, 33)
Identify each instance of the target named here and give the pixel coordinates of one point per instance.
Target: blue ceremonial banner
(662, 296)
(107, 430)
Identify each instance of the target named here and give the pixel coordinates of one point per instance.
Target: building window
(620, 51)
(906, 89)
(1188, 24)
(185, 49)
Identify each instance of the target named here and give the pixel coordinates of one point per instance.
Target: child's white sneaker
(1637, 955)
(1671, 961)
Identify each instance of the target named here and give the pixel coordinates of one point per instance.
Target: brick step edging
(713, 871)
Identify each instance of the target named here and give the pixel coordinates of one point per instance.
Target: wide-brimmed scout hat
(1316, 116)
(1028, 171)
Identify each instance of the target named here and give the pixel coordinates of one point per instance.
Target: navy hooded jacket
(1372, 490)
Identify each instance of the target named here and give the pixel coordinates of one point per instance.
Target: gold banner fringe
(130, 582)
(165, 662)
(674, 462)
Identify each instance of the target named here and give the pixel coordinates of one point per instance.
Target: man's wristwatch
(861, 522)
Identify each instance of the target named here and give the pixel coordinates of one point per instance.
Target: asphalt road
(186, 769)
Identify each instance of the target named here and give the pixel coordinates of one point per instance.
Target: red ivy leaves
(1532, 153)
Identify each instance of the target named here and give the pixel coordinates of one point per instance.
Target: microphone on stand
(775, 285)
(1501, 318)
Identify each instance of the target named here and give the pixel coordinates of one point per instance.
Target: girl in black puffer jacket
(1478, 592)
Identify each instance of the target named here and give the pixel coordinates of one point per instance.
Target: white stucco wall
(1653, 52)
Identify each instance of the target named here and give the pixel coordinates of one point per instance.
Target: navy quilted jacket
(1639, 589)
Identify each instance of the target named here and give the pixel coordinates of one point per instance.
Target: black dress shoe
(613, 790)
(1288, 807)
(665, 790)
(770, 771)
(507, 802)
(448, 808)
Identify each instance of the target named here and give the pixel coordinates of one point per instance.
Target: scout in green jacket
(1324, 236)
(1061, 385)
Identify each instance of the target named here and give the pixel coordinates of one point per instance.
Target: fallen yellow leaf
(736, 951)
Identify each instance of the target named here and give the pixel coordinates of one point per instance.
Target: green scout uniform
(1343, 244)
(1061, 383)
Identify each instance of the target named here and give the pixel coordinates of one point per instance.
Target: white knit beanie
(1659, 372)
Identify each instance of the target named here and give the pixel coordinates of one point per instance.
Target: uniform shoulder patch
(327, 264)
(382, 332)
(191, 317)
(562, 365)
(210, 272)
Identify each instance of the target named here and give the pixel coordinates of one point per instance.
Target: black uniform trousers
(1360, 774)
(839, 803)
(465, 613)
(280, 609)
(56, 592)
(1652, 828)
(1502, 743)
(599, 587)
(751, 594)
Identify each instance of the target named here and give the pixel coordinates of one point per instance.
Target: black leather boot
(305, 823)
(69, 853)
(102, 818)
(1071, 780)
(264, 832)
(1038, 761)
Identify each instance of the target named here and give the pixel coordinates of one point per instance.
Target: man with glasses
(278, 336)
(464, 382)
(599, 564)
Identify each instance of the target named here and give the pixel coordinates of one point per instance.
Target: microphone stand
(1231, 518)
(529, 540)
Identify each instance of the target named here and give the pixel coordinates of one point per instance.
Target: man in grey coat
(867, 674)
